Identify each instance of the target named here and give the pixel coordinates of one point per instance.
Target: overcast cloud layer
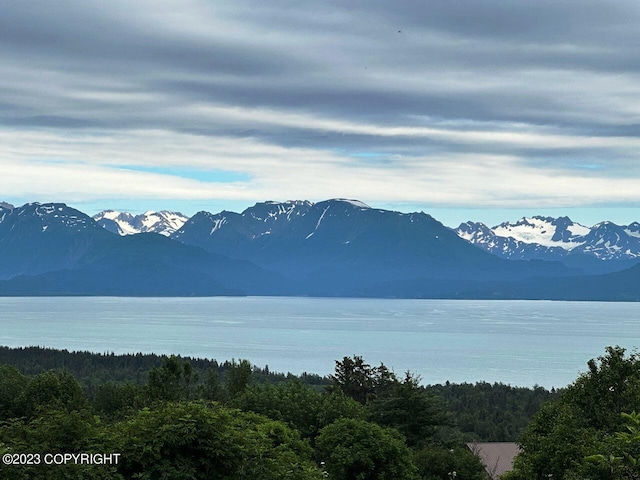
(436, 104)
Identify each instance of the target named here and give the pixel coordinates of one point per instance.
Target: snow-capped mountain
(278, 226)
(124, 223)
(53, 249)
(633, 229)
(545, 231)
(505, 246)
(43, 217)
(332, 248)
(38, 237)
(608, 241)
(342, 245)
(547, 238)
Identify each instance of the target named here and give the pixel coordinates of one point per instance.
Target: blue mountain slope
(334, 246)
(54, 249)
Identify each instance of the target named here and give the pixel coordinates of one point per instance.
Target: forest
(189, 418)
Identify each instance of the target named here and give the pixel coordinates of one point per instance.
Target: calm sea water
(517, 342)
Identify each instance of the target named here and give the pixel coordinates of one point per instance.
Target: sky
(467, 110)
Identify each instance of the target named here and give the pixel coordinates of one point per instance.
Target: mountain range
(337, 247)
(52, 249)
(603, 248)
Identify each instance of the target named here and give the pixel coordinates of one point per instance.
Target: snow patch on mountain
(5, 209)
(318, 222)
(47, 216)
(355, 203)
(271, 211)
(545, 231)
(550, 238)
(217, 224)
(55, 214)
(123, 223)
(633, 230)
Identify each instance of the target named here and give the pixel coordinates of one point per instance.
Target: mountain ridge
(548, 238)
(337, 247)
(164, 222)
(56, 249)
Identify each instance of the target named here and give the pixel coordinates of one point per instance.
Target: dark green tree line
(362, 422)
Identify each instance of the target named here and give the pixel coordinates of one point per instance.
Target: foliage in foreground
(186, 440)
(360, 450)
(196, 440)
(179, 425)
(591, 431)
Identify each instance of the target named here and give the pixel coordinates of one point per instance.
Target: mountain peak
(123, 223)
(476, 233)
(53, 209)
(355, 203)
(270, 211)
(605, 224)
(545, 231)
(46, 217)
(551, 238)
(633, 229)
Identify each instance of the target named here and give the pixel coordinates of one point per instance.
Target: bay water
(521, 343)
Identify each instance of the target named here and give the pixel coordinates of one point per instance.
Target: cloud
(453, 103)
(132, 165)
